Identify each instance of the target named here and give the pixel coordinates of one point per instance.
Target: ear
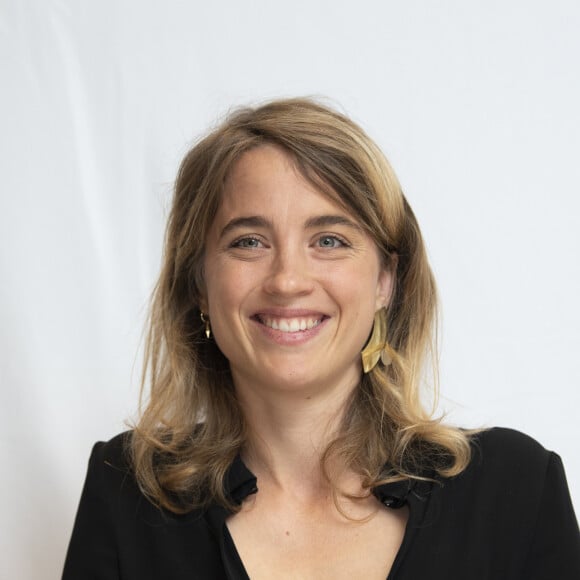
(200, 295)
(386, 283)
(203, 305)
(200, 292)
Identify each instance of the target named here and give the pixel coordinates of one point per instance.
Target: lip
(293, 338)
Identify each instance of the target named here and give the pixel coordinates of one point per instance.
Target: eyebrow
(252, 221)
(332, 220)
(256, 221)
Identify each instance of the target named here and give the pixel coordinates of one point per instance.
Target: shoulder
(507, 439)
(513, 496)
(112, 484)
(501, 447)
(114, 453)
(506, 466)
(501, 450)
(110, 471)
(504, 485)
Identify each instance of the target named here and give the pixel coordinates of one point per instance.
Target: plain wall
(475, 104)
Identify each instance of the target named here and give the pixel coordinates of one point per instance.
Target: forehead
(268, 178)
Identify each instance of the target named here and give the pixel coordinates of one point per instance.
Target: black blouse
(508, 516)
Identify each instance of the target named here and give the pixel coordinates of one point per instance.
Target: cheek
(364, 283)
(226, 290)
(222, 309)
(220, 297)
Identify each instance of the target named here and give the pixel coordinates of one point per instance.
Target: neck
(288, 434)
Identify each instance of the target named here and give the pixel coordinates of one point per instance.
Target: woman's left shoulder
(500, 444)
(508, 460)
(516, 493)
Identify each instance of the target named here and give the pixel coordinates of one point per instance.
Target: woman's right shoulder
(112, 457)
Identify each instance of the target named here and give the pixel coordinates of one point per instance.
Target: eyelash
(341, 241)
(242, 242)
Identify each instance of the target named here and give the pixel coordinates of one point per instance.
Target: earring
(207, 326)
(377, 347)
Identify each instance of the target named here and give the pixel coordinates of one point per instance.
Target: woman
(284, 435)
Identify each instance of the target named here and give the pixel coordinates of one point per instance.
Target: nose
(289, 275)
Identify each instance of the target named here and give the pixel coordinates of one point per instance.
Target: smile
(290, 324)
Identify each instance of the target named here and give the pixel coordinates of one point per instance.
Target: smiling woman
(285, 266)
(285, 436)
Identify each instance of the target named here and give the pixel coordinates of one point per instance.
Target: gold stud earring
(377, 348)
(207, 326)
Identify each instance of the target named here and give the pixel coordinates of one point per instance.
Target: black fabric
(508, 516)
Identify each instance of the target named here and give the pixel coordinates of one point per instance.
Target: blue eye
(247, 243)
(330, 242)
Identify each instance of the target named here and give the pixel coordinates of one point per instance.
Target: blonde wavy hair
(192, 428)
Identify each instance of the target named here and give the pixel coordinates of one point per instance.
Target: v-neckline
(241, 482)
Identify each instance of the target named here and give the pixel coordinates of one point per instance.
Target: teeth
(291, 324)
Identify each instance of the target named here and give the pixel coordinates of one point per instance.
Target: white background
(475, 103)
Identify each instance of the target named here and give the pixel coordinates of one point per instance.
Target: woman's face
(292, 280)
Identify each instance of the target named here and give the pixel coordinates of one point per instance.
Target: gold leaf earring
(377, 348)
(207, 326)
